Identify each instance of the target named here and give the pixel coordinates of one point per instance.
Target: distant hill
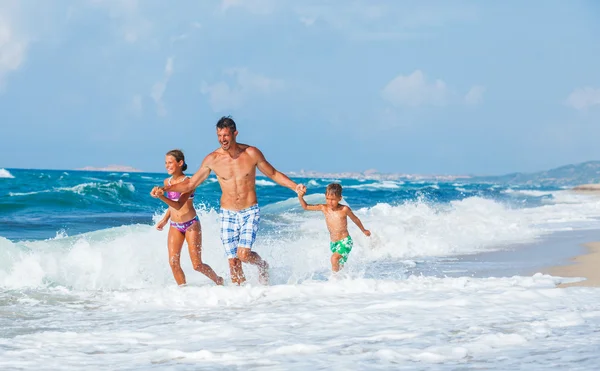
(568, 175)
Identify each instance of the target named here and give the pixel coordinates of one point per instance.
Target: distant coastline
(117, 168)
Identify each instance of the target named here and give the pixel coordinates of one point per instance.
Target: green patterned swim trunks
(342, 247)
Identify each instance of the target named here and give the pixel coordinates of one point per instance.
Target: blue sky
(428, 87)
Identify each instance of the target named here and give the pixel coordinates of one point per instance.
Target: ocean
(450, 279)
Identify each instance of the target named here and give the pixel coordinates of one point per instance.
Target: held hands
(157, 192)
(301, 190)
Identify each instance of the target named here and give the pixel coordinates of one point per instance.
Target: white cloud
(159, 88)
(583, 98)
(415, 90)
(13, 46)
(223, 96)
(475, 95)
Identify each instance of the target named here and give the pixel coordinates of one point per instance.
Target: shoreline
(586, 265)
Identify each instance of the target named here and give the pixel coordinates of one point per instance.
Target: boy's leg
(335, 262)
(340, 250)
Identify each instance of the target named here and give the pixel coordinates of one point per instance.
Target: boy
(337, 223)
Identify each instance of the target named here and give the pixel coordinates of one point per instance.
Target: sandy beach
(586, 265)
(587, 188)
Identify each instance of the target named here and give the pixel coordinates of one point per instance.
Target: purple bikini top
(175, 195)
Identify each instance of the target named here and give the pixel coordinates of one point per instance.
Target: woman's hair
(178, 156)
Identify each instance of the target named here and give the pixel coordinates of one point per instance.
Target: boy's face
(332, 200)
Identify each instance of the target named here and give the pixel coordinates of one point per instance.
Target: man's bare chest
(239, 168)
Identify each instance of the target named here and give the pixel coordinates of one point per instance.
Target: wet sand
(586, 265)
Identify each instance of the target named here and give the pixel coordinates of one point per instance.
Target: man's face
(226, 137)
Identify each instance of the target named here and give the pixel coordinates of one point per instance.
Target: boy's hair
(178, 156)
(226, 122)
(334, 189)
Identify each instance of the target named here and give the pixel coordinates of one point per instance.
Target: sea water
(449, 280)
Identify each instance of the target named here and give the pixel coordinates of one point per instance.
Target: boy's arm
(357, 221)
(306, 206)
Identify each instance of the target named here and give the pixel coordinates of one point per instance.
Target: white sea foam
(264, 183)
(293, 241)
(386, 184)
(82, 189)
(528, 192)
(313, 183)
(5, 174)
(417, 323)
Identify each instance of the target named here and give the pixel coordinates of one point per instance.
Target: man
(235, 166)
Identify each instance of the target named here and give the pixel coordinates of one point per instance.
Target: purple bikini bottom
(183, 227)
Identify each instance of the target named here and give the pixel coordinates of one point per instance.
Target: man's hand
(367, 232)
(157, 192)
(300, 188)
(301, 192)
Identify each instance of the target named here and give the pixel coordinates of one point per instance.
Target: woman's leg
(193, 235)
(175, 243)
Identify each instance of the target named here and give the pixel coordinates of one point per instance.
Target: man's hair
(334, 189)
(226, 122)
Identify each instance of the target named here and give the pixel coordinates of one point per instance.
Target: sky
(420, 87)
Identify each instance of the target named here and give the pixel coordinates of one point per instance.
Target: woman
(185, 225)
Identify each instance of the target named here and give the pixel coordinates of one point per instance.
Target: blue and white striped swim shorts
(238, 229)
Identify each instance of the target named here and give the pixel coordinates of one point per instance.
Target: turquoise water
(38, 204)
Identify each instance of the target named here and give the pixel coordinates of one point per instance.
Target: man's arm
(266, 168)
(192, 183)
(175, 204)
(357, 221)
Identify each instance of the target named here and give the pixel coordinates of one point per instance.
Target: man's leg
(230, 237)
(248, 256)
(248, 231)
(237, 273)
